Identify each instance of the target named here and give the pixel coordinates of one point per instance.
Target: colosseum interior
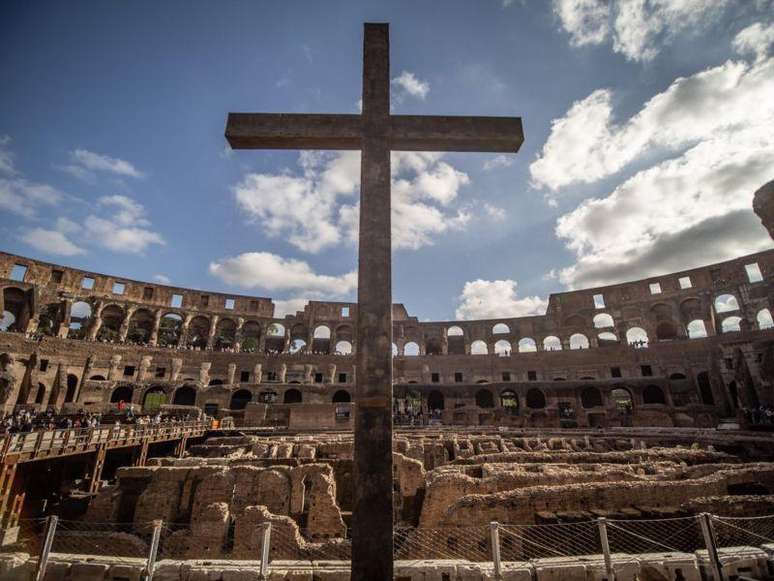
(641, 404)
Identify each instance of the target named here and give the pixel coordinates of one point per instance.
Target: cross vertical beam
(372, 511)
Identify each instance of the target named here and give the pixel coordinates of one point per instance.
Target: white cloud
(499, 161)
(407, 83)
(162, 279)
(493, 299)
(495, 213)
(6, 156)
(636, 28)
(318, 208)
(288, 306)
(84, 163)
(587, 144)
(22, 197)
(122, 229)
(755, 39)
(51, 242)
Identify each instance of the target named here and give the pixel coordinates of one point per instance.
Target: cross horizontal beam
(406, 132)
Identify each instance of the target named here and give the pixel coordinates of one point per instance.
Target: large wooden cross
(375, 133)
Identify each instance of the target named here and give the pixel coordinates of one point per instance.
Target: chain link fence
(619, 541)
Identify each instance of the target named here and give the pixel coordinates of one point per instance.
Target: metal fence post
(602, 523)
(51, 523)
(265, 548)
(712, 549)
(494, 534)
(154, 549)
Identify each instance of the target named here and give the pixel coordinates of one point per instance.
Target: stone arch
(536, 399)
(343, 348)
(251, 337)
(653, 394)
(80, 319)
(696, 329)
(321, 339)
(275, 338)
(122, 393)
(292, 396)
(198, 332)
(112, 317)
(297, 345)
(435, 400)
(509, 401)
(49, 319)
(764, 319)
(591, 397)
(411, 349)
(341, 396)
(455, 340)
(637, 337)
(731, 324)
(455, 331)
(225, 334)
(484, 399)
(579, 341)
(690, 309)
(607, 337)
(170, 328)
(726, 303)
(184, 395)
(16, 309)
(479, 348)
(603, 321)
(240, 398)
(552, 343)
(141, 326)
(527, 345)
(502, 348)
(622, 399)
(267, 396)
(501, 329)
(153, 398)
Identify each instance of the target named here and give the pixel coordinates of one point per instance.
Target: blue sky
(647, 130)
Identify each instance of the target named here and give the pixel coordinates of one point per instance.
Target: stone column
(283, 373)
(154, 337)
(204, 373)
(258, 373)
(96, 325)
(145, 363)
(64, 325)
(124, 330)
(184, 329)
(308, 369)
(213, 329)
(115, 362)
(238, 334)
(231, 373)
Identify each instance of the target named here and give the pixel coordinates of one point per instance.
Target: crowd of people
(22, 421)
(759, 416)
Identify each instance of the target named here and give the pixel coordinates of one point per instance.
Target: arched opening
(433, 346)
(666, 331)
(726, 303)
(345, 348)
(606, 337)
(240, 399)
(112, 318)
(502, 348)
(297, 345)
(681, 390)
(653, 394)
(479, 348)
(527, 345)
(72, 388)
(637, 337)
(275, 338)
(341, 396)
(251, 335)
(697, 329)
(705, 388)
(16, 311)
(435, 400)
(764, 319)
(97, 378)
(48, 320)
(267, 396)
(122, 393)
(153, 399)
(591, 398)
(455, 340)
(622, 400)
(501, 329)
(731, 324)
(411, 349)
(40, 394)
(603, 321)
(170, 327)
(484, 398)
(321, 341)
(80, 319)
(225, 335)
(215, 382)
(198, 332)
(552, 343)
(579, 341)
(185, 395)
(140, 327)
(535, 399)
(509, 401)
(292, 396)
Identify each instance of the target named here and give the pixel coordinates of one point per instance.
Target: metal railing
(30, 445)
(717, 542)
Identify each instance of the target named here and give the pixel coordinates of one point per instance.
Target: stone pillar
(258, 373)
(177, 365)
(262, 342)
(184, 329)
(124, 330)
(308, 370)
(213, 329)
(96, 324)
(64, 325)
(231, 373)
(204, 373)
(145, 363)
(115, 362)
(286, 344)
(154, 336)
(332, 373)
(238, 334)
(283, 373)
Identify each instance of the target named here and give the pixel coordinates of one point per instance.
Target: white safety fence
(614, 541)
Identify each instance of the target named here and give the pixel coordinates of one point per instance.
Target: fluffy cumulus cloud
(24, 198)
(493, 299)
(273, 273)
(55, 242)
(84, 164)
(498, 162)
(635, 28)
(121, 226)
(756, 39)
(317, 207)
(407, 84)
